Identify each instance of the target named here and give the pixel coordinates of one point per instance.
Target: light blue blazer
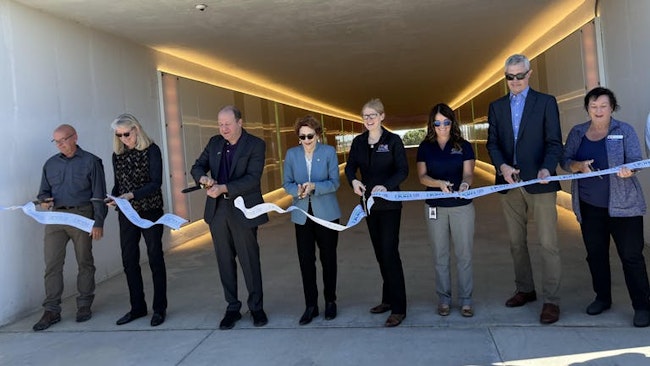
(324, 174)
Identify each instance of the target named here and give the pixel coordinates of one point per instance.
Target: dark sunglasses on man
(520, 76)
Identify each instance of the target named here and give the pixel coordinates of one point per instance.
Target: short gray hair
(518, 59)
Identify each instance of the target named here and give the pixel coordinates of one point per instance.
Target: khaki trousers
(516, 205)
(56, 239)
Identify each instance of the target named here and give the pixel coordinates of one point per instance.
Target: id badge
(433, 213)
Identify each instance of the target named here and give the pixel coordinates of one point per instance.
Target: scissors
(195, 188)
(364, 204)
(591, 167)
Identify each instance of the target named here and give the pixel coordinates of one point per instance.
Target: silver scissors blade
(365, 205)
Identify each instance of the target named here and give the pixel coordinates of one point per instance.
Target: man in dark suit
(525, 142)
(235, 160)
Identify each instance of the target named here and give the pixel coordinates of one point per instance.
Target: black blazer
(385, 165)
(539, 144)
(244, 178)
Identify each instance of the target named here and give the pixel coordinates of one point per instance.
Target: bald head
(66, 129)
(65, 138)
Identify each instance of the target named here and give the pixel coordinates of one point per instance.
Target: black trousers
(233, 240)
(130, 243)
(307, 237)
(597, 227)
(384, 234)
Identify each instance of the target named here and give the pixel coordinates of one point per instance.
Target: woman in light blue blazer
(311, 177)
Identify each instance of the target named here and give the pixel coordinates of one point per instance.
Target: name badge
(433, 213)
(382, 148)
(614, 137)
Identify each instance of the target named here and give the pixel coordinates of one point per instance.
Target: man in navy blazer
(235, 160)
(524, 143)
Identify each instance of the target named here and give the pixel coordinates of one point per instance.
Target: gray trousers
(452, 224)
(55, 241)
(516, 205)
(231, 239)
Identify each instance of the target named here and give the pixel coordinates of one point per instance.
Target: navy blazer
(244, 179)
(324, 175)
(539, 144)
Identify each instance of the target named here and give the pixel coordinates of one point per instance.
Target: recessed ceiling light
(201, 7)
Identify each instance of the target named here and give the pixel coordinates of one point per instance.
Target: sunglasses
(520, 76)
(125, 134)
(308, 137)
(442, 123)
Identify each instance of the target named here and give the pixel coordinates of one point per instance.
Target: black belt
(71, 207)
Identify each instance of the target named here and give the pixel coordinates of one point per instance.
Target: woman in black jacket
(137, 164)
(380, 157)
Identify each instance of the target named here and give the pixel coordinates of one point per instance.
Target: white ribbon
(358, 213)
(257, 210)
(482, 191)
(169, 220)
(58, 218)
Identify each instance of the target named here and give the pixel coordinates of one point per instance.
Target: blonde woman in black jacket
(380, 157)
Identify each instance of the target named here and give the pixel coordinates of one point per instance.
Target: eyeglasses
(520, 76)
(308, 137)
(442, 123)
(63, 140)
(125, 134)
(370, 116)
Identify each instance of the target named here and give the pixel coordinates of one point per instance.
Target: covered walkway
(496, 335)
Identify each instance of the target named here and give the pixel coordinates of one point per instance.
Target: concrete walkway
(496, 335)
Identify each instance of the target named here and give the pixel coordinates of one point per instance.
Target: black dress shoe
(129, 317)
(229, 319)
(157, 319)
(259, 318)
(597, 307)
(310, 313)
(641, 318)
(381, 308)
(394, 320)
(48, 318)
(330, 310)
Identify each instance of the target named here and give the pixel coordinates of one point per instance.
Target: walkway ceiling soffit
(332, 56)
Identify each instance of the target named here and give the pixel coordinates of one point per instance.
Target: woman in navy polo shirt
(445, 162)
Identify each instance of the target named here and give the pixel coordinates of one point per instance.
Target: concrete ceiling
(410, 53)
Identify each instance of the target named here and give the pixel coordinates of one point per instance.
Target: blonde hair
(127, 120)
(375, 104)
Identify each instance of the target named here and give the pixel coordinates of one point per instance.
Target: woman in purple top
(609, 205)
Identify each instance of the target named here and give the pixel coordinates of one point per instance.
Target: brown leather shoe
(521, 298)
(394, 320)
(84, 314)
(381, 308)
(48, 318)
(550, 314)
